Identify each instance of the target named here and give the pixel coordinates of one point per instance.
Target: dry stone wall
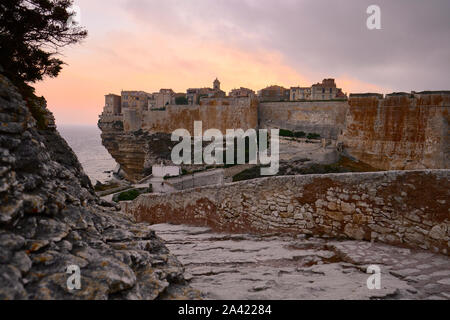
(409, 208)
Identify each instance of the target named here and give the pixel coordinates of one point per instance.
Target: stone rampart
(326, 118)
(215, 113)
(399, 132)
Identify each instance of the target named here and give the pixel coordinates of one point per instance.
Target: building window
(331, 90)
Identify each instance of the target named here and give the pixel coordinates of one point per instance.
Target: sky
(179, 44)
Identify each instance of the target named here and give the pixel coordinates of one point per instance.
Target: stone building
(161, 99)
(216, 85)
(113, 104)
(193, 95)
(136, 100)
(273, 94)
(177, 96)
(326, 90)
(242, 92)
(300, 93)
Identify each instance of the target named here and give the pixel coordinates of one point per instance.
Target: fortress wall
(132, 120)
(407, 208)
(217, 113)
(326, 118)
(399, 132)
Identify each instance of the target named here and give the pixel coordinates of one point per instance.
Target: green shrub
(128, 195)
(286, 133)
(313, 136)
(181, 100)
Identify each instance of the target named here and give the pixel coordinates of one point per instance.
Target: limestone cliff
(136, 151)
(50, 219)
(137, 140)
(400, 131)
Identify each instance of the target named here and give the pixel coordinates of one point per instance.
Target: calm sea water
(87, 145)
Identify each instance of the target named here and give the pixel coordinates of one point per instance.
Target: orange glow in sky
(131, 55)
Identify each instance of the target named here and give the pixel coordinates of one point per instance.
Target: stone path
(225, 266)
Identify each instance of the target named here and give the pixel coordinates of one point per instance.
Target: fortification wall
(409, 208)
(132, 120)
(399, 132)
(326, 118)
(220, 113)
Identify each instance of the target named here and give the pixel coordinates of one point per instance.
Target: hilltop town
(114, 104)
(386, 132)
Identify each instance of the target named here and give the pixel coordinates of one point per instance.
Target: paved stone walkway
(226, 266)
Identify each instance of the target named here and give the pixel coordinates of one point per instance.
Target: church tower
(216, 85)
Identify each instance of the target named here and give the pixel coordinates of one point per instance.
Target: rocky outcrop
(139, 140)
(136, 151)
(51, 219)
(399, 132)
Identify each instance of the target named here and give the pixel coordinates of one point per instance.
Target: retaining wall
(409, 208)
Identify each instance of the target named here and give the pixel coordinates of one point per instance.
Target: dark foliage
(181, 101)
(31, 33)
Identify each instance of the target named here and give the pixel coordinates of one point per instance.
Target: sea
(86, 142)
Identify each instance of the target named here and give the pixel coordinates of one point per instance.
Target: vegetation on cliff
(302, 167)
(31, 33)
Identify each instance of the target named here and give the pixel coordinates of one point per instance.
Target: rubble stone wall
(407, 208)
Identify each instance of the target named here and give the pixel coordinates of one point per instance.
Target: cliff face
(396, 133)
(138, 141)
(136, 151)
(399, 132)
(50, 219)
